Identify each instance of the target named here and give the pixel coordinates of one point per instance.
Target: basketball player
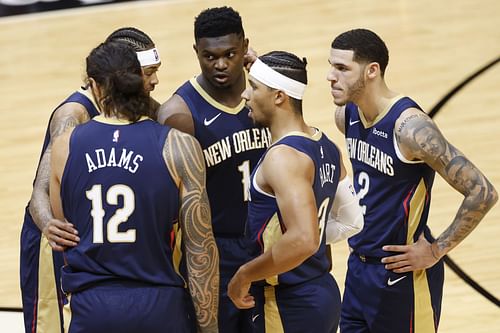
(210, 107)
(121, 276)
(292, 191)
(39, 267)
(395, 275)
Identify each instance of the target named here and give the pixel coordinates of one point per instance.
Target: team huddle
(214, 211)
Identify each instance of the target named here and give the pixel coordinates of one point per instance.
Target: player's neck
(375, 101)
(229, 96)
(285, 125)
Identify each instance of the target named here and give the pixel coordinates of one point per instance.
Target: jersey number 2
(364, 186)
(120, 216)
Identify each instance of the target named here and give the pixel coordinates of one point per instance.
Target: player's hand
(412, 257)
(238, 292)
(249, 58)
(61, 234)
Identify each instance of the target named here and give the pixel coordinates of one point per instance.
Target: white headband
(148, 57)
(273, 79)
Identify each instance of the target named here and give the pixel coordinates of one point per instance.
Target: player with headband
(299, 184)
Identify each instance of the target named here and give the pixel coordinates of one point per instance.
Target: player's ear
(279, 97)
(245, 45)
(372, 70)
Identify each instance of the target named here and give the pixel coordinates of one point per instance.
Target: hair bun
(127, 83)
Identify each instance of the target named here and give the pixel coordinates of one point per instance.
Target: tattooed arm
(60, 234)
(184, 159)
(419, 139)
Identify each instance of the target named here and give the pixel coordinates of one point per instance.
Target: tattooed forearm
(480, 196)
(185, 160)
(39, 205)
(419, 137)
(64, 118)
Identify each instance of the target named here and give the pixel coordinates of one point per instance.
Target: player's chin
(339, 101)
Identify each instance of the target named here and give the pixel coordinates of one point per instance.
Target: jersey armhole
(257, 187)
(400, 154)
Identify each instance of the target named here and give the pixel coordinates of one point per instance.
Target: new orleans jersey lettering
(370, 155)
(238, 142)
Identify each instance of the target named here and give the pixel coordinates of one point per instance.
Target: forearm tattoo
(185, 161)
(39, 206)
(419, 134)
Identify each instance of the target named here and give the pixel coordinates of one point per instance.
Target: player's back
(265, 225)
(118, 192)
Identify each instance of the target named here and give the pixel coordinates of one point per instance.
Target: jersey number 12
(120, 216)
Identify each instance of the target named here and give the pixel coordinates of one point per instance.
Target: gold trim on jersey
(115, 121)
(315, 137)
(177, 250)
(424, 314)
(381, 115)
(272, 233)
(90, 96)
(48, 315)
(272, 315)
(67, 314)
(210, 100)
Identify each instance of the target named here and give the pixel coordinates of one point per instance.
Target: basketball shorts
(379, 300)
(128, 307)
(42, 296)
(309, 307)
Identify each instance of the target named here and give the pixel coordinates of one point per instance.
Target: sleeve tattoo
(419, 135)
(39, 205)
(185, 161)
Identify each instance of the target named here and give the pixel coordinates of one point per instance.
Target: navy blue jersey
(394, 192)
(265, 225)
(232, 147)
(117, 191)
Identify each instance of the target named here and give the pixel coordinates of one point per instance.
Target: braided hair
(133, 37)
(290, 66)
(115, 68)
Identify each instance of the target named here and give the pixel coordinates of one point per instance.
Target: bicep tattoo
(185, 160)
(62, 121)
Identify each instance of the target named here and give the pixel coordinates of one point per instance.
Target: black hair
(217, 22)
(290, 66)
(367, 47)
(134, 37)
(115, 68)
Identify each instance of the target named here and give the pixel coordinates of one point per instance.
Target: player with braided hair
(41, 234)
(210, 107)
(298, 186)
(145, 47)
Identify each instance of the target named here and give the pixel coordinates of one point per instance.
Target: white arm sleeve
(346, 216)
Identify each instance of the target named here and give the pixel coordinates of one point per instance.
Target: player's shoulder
(175, 113)
(73, 110)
